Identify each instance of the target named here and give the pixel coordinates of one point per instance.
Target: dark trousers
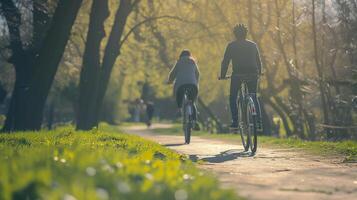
(252, 85)
(150, 113)
(191, 95)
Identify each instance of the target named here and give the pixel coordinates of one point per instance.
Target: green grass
(67, 164)
(345, 149)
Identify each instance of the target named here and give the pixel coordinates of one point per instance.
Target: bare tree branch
(125, 38)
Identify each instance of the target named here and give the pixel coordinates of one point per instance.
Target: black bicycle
(187, 113)
(247, 116)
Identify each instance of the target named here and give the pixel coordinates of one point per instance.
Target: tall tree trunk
(324, 104)
(3, 93)
(35, 70)
(348, 17)
(20, 60)
(89, 78)
(111, 53)
(41, 22)
(295, 92)
(46, 64)
(299, 94)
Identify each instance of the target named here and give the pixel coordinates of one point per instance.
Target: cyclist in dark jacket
(245, 58)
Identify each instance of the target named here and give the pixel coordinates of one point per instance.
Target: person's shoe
(196, 126)
(148, 124)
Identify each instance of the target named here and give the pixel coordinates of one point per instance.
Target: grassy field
(99, 164)
(346, 149)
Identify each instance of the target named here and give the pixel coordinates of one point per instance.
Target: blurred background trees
(121, 51)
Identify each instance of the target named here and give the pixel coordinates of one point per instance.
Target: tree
(95, 73)
(347, 14)
(35, 67)
(3, 93)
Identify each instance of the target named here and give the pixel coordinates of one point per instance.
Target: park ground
(282, 168)
(106, 163)
(102, 164)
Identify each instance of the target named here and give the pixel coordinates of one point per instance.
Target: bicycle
(247, 116)
(187, 113)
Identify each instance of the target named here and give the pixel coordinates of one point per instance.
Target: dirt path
(271, 174)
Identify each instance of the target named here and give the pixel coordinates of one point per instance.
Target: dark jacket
(244, 56)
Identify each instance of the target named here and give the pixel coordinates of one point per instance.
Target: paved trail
(271, 174)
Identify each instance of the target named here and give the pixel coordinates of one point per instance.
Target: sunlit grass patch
(69, 164)
(347, 149)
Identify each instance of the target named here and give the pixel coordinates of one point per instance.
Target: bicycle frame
(244, 94)
(187, 102)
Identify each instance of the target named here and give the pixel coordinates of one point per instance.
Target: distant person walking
(150, 109)
(185, 75)
(245, 58)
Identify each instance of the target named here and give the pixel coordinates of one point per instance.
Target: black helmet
(185, 52)
(240, 31)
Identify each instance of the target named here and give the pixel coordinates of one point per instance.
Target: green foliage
(67, 164)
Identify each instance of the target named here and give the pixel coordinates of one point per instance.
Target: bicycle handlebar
(224, 78)
(244, 76)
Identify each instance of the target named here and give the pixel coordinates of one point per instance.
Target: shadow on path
(174, 145)
(224, 156)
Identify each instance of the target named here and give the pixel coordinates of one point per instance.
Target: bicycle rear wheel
(187, 125)
(252, 125)
(243, 126)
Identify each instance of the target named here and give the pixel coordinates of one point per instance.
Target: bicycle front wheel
(243, 126)
(252, 125)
